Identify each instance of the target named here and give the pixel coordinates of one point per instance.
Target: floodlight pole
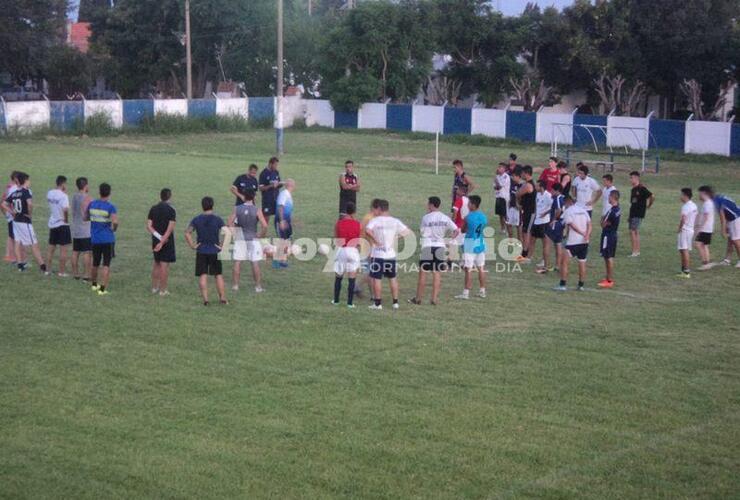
(188, 51)
(279, 136)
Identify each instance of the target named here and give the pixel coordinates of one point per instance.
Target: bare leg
(236, 274)
(87, 259)
(468, 278)
(377, 289)
(203, 285)
(164, 274)
(220, 287)
(75, 264)
(436, 286)
(565, 262)
(685, 260)
(257, 274)
(635, 237)
(546, 251)
(482, 276)
(581, 271)
(94, 274)
(421, 284)
(50, 255)
(106, 276)
(155, 275)
(609, 269)
(62, 259)
(37, 254)
(10, 249)
(394, 288)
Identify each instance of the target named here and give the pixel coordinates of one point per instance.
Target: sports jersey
(285, 200)
(689, 213)
(565, 185)
(347, 195)
(475, 242)
(513, 190)
(247, 220)
(19, 200)
(612, 216)
(460, 210)
(503, 181)
(244, 184)
(707, 219)
(101, 224)
(80, 228)
(605, 199)
(58, 202)
(638, 201)
(727, 206)
(544, 206)
(460, 180)
(529, 200)
(161, 215)
(269, 196)
(348, 230)
(585, 189)
(434, 226)
(557, 204)
(385, 230)
(551, 177)
(208, 229)
(578, 217)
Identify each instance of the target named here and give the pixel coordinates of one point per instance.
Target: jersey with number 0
(18, 201)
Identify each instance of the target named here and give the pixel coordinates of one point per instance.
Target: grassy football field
(628, 393)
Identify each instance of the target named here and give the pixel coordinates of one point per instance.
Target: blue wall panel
(667, 134)
(345, 120)
(735, 140)
(201, 108)
(137, 110)
(261, 108)
(521, 125)
(458, 120)
(66, 115)
(583, 136)
(398, 116)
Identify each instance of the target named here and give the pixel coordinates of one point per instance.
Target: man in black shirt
(349, 185)
(245, 183)
(270, 184)
(161, 224)
(640, 200)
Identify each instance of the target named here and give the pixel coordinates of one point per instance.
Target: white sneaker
(635, 254)
(482, 294)
(724, 262)
(396, 306)
(155, 291)
(706, 267)
(375, 308)
(47, 273)
(334, 303)
(235, 288)
(164, 293)
(541, 263)
(63, 275)
(463, 296)
(738, 264)
(258, 289)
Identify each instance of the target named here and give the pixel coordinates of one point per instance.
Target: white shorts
(459, 240)
(685, 240)
(24, 233)
(347, 260)
(733, 229)
(471, 260)
(250, 251)
(512, 216)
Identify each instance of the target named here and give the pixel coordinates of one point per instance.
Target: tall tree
(90, 10)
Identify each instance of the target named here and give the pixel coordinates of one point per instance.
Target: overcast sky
(514, 7)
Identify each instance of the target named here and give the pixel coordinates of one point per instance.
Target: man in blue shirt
(729, 219)
(474, 248)
(207, 227)
(554, 229)
(103, 217)
(270, 184)
(609, 227)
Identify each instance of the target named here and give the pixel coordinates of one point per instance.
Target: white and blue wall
(720, 138)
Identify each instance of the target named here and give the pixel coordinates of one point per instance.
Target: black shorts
(382, 268)
(268, 211)
(433, 259)
(61, 236)
(538, 230)
(10, 230)
(81, 245)
(343, 205)
(608, 245)
(103, 253)
(500, 207)
(555, 232)
(705, 238)
(580, 252)
(208, 263)
(528, 222)
(284, 234)
(166, 254)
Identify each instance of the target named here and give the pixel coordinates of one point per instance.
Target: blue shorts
(608, 245)
(555, 233)
(382, 268)
(284, 234)
(579, 252)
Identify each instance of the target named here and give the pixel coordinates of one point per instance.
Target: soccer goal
(603, 146)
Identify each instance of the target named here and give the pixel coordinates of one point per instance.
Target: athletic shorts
(208, 263)
(512, 216)
(705, 238)
(634, 223)
(471, 260)
(685, 239)
(249, 250)
(500, 207)
(538, 230)
(10, 229)
(61, 236)
(383, 268)
(284, 234)
(167, 253)
(555, 232)
(347, 260)
(579, 252)
(81, 244)
(103, 253)
(23, 232)
(527, 222)
(608, 245)
(433, 259)
(268, 211)
(733, 229)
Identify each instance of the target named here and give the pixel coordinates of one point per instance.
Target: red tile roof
(78, 36)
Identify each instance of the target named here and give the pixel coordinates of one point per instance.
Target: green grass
(630, 393)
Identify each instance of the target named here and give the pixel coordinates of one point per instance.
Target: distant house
(78, 36)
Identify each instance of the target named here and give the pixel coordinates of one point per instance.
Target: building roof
(78, 36)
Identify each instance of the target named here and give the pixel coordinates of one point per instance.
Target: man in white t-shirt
(501, 188)
(59, 233)
(383, 232)
(434, 230)
(543, 205)
(686, 225)
(609, 187)
(587, 190)
(705, 227)
(577, 222)
(284, 224)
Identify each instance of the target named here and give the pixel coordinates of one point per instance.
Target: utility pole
(309, 7)
(279, 128)
(188, 51)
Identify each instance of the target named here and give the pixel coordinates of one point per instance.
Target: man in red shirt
(551, 175)
(347, 261)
